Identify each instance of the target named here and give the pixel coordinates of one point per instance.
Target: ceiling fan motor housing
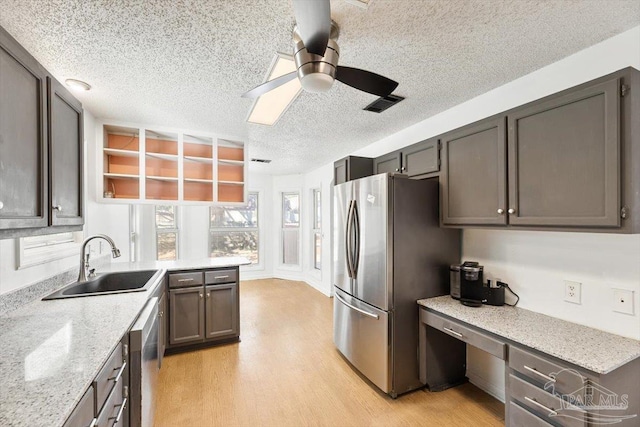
(316, 73)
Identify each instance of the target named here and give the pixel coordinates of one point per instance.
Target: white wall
(535, 263)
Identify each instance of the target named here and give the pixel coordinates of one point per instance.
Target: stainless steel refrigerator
(388, 252)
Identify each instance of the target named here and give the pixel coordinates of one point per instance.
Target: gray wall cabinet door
(65, 148)
(421, 158)
(23, 145)
(474, 174)
(340, 171)
(222, 311)
(389, 163)
(186, 322)
(564, 160)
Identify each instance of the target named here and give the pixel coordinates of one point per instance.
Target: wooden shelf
(198, 180)
(162, 156)
(121, 176)
(231, 182)
(121, 153)
(162, 178)
(199, 159)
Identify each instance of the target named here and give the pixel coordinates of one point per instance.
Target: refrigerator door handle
(359, 310)
(347, 251)
(356, 223)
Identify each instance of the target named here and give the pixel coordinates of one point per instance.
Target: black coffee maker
(472, 292)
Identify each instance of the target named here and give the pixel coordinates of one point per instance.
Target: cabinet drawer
(220, 276)
(110, 374)
(542, 371)
(82, 415)
(456, 330)
(181, 280)
(544, 404)
(519, 417)
(113, 412)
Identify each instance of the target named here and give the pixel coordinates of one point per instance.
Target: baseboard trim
(486, 386)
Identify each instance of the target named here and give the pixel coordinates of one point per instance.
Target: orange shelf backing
(230, 173)
(230, 193)
(230, 153)
(161, 146)
(198, 191)
(198, 150)
(193, 170)
(123, 142)
(160, 167)
(124, 165)
(161, 190)
(124, 188)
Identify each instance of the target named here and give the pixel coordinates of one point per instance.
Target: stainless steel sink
(109, 283)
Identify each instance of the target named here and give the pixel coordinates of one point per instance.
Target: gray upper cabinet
(65, 141)
(389, 163)
(421, 159)
(222, 311)
(23, 146)
(350, 168)
(186, 319)
(473, 174)
(564, 159)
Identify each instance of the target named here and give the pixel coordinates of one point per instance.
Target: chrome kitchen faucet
(84, 261)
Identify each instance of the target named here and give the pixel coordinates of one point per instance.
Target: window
(234, 231)
(317, 229)
(290, 228)
(36, 250)
(166, 233)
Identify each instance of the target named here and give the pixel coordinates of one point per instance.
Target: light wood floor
(286, 372)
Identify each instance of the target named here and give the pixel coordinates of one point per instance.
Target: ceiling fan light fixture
(77, 84)
(316, 82)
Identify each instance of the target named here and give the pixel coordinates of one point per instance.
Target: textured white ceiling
(184, 63)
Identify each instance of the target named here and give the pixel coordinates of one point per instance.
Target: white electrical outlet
(623, 301)
(573, 292)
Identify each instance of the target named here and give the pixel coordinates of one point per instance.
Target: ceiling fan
(316, 56)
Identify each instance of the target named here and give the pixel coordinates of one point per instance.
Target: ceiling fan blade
(313, 19)
(366, 81)
(270, 85)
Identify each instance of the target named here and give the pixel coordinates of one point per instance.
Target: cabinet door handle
(511, 211)
(57, 208)
(541, 406)
(94, 422)
(119, 375)
(397, 169)
(221, 277)
(403, 169)
(200, 294)
(185, 280)
(208, 294)
(500, 211)
(117, 417)
(452, 332)
(535, 371)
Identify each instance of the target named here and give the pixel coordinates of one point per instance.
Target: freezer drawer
(361, 333)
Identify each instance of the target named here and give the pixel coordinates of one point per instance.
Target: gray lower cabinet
(474, 174)
(564, 159)
(65, 167)
(221, 311)
(206, 312)
(23, 143)
(162, 327)
(389, 163)
(186, 318)
(421, 159)
(84, 413)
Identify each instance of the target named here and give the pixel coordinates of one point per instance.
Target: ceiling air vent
(381, 104)
(261, 160)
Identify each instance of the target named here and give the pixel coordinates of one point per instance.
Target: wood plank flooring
(287, 372)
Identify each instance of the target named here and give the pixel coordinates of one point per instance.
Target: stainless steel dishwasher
(143, 342)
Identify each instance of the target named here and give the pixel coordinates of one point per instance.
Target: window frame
(284, 228)
(159, 230)
(29, 255)
(316, 230)
(259, 217)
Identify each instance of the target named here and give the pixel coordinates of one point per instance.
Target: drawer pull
(117, 417)
(452, 332)
(221, 277)
(119, 375)
(551, 413)
(535, 371)
(185, 280)
(94, 422)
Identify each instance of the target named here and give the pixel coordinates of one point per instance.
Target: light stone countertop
(176, 265)
(589, 348)
(50, 351)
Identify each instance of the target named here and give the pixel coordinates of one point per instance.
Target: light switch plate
(623, 301)
(573, 292)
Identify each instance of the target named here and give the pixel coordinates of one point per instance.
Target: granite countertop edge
(452, 308)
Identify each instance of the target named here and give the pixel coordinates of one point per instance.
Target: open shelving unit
(148, 165)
